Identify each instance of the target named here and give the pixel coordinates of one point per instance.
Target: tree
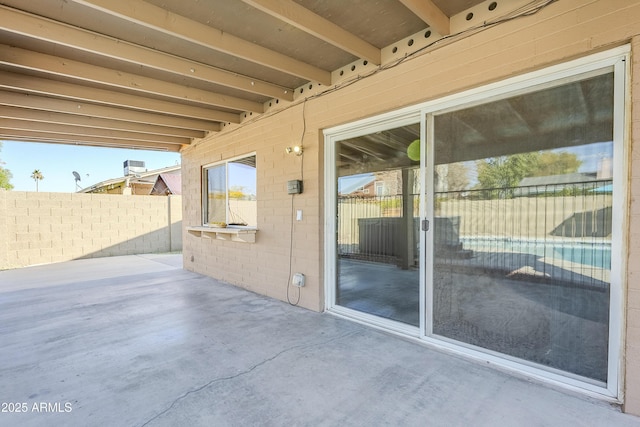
(502, 174)
(36, 175)
(458, 177)
(5, 175)
(237, 192)
(554, 163)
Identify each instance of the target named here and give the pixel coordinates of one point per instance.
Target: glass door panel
(378, 250)
(522, 204)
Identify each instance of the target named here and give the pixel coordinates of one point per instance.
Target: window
(229, 193)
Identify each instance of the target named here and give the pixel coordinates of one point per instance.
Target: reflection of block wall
(245, 210)
(39, 228)
(216, 208)
(531, 217)
(522, 217)
(349, 213)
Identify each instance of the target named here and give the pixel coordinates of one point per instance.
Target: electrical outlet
(298, 280)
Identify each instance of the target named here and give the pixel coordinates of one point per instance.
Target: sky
(95, 164)
(57, 162)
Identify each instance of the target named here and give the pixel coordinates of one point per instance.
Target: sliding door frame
(407, 116)
(616, 59)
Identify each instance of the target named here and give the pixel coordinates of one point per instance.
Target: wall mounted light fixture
(296, 149)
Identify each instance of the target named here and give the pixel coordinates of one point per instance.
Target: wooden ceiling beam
(35, 102)
(158, 19)
(78, 131)
(95, 122)
(34, 136)
(430, 14)
(304, 19)
(50, 64)
(65, 90)
(26, 24)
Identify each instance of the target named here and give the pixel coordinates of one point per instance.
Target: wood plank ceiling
(160, 74)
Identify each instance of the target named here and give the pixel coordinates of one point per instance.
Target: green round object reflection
(413, 150)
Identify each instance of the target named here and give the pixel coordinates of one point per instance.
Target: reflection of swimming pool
(586, 253)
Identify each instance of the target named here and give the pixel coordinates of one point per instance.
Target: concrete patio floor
(137, 341)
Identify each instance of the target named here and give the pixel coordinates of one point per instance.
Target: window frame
(204, 187)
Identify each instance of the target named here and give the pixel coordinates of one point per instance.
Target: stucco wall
(565, 30)
(38, 228)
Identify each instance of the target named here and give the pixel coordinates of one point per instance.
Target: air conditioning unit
(133, 167)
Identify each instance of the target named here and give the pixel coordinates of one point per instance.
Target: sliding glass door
(522, 203)
(378, 245)
(485, 222)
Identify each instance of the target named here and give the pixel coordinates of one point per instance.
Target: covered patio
(297, 94)
(138, 341)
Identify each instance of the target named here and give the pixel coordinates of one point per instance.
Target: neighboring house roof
(552, 183)
(167, 183)
(569, 178)
(143, 178)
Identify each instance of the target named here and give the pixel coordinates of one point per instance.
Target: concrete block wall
(174, 221)
(4, 231)
(563, 31)
(39, 228)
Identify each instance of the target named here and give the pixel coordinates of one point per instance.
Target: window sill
(233, 234)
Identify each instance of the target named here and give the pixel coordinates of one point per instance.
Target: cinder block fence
(39, 228)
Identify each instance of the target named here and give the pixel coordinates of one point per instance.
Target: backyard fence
(37, 228)
(567, 224)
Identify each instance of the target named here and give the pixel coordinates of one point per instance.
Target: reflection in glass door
(377, 208)
(522, 204)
